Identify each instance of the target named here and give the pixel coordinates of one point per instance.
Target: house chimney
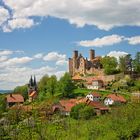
(11, 95)
(92, 54)
(75, 54)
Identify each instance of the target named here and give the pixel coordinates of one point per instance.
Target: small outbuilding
(12, 99)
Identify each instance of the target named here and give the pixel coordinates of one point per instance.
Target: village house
(13, 99)
(99, 107)
(112, 99)
(67, 106)
(64, 107)
(95, 84)
(94, 96)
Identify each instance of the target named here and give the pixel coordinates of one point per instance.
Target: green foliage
(136, 62)
(2, 104)
(66, 85)
(109, 65)
(52, 85)
(122, 64)
(42, 85)
(23, 90)
(125, 63)
(137, 85)
(123, 123)
(81, 111)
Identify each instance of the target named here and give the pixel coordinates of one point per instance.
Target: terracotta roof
(33, 93)
(68, 104)
(14, 98)
(96, 94)
(82, 100)
(116, 97)
(97, 105)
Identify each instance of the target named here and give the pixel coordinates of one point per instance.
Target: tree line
(125, 64)
(50, 85)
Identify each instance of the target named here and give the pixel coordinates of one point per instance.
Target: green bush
(82, 111)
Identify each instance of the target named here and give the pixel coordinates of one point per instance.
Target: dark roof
(14, 98)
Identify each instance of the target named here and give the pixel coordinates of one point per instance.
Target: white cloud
(38, 56)
(105, 14)
(18, 23)
(61, 62)
(17, 76)
(3, 58)
(5, 52)
(134, 40)
(4, 15)
(54, 56)
(16, 71)
(100, 42)
(15, 61)
(117, 54)
(60, 59)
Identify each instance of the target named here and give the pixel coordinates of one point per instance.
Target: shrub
(82, 111)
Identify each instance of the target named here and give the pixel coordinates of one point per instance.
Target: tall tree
(136, 62)
(52, 85)
(109, 65)
(125, 63)
(66, 85)
(122, 64)
(128, 61)
(42, 85)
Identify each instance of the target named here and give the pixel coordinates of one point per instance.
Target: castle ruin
(80, 65)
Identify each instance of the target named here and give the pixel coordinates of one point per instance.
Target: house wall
(108, 101)
(92, 98)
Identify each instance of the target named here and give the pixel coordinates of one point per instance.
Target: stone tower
(92, 54)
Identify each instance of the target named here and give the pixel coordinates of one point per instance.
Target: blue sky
(38, 37)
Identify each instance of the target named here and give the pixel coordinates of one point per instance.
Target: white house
(94, 96)
(113, 99)
(95, 84)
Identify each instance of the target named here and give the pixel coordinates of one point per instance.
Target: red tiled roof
(116, 97)
(14, 98)
(68, 104)
(97, 105)
(82, 100)
(33, 93)
(96, 94)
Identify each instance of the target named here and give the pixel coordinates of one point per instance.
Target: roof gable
(14, 98)
(116, 97)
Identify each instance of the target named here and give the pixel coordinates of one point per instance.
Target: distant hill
(5, 91)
